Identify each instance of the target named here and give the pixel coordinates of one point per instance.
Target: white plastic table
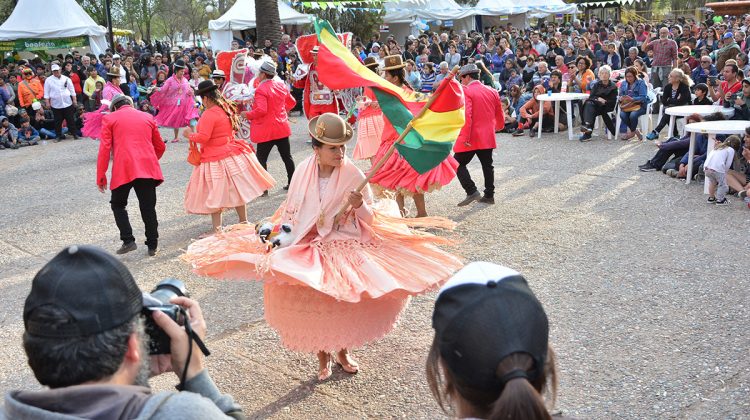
(557, 98)
(687, 110)
(711, 128)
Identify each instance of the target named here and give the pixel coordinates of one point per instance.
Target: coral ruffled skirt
(369, 133)
(335, 294)
(231, 182)
(397, 175)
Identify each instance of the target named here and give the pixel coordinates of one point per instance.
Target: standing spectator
(665, 57)
(718, 162)
(30, 90)
(60, 95)
(68, 71)
(484, 116)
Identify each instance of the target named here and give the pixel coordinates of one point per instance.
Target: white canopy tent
(404, 17)
(241, 16)
(496, 12)
(34, 20)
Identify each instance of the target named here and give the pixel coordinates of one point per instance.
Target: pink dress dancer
(369, 127)
(175, 102)
(338, 287)
(92, 121)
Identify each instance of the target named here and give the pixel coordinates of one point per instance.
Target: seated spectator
(704, 69)
(452, 57)
(8, 134)
(633, 99)
(146, 107)
(741, 102)
(540, 77)
(743, 65)
(515, 79)
(612, 58)
(133, 87)
(27, 135)
(685, 56)
(501, 56)
(515, 99)
(730, 85)
(583, 77)
(529, 69)
(553, 52)
(530, 114)
(109, 356)
(641, 70)
(428, 78)
(678, 149)
(728, 51)
(570, 56)
(676, 93)
(554, 84)
(510, 64)
(601, 102)
(413, 78)
(491, 358)
(443, 71)
(632, 56)
(739, 177)
(701, 95)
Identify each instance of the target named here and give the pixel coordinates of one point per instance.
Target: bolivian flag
(432, 136)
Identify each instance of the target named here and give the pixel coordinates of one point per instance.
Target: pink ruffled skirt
(231, 182)
(92, 124)
(177, 116)
(397, 175)
(334, 294)
(369, 133)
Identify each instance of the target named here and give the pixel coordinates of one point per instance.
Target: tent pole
(109, 24)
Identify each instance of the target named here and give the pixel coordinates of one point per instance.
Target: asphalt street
(645, 285)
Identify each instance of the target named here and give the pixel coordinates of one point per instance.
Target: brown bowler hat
(393, 62)
(330, 128)
(371, 62)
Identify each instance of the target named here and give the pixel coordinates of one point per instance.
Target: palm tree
(268, 21)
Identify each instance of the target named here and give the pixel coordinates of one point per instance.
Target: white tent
(495, 12)
(404, 17)
(241, 16)
(52, 19)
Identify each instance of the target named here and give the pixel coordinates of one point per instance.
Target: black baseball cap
(93, 287)
(483, 314)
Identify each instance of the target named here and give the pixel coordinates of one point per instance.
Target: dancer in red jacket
(133, 139)
(484, 116)
(269, 123)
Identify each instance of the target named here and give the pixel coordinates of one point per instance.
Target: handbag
(631, 106)
(11, 110)
(194, 155)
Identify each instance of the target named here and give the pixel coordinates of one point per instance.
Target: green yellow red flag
(432, 136)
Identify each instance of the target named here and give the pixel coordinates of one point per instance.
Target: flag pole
(407, 129)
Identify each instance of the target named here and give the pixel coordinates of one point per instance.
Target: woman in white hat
(338, 284)
(175, 101)
(92, 121)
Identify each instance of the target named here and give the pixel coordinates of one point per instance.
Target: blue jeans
(629, 120)
(50, 134)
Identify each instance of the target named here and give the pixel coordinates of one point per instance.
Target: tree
(169, 19)
(268, 21)
(195, 17)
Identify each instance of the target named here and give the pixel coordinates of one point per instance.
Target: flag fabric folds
(432, 136)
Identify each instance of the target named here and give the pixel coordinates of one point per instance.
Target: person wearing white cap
(219, 78)
(60, 95)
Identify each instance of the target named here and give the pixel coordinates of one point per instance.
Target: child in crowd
(701, 95)
(515, 79)
(428, 78)
(97, 95)
(146, 107)
(133, 87)
(27, 135)
(8, 134)
(717, 164)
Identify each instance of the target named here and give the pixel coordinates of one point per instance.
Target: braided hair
(228, 107)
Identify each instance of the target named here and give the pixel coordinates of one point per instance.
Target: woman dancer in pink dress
(175, 101)
(396, 174)
(369, 122)
(92, 121)
(340, 283)
(229, 175)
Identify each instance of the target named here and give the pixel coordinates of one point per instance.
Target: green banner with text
(44, 44)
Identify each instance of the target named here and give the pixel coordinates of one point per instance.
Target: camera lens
(167, 289)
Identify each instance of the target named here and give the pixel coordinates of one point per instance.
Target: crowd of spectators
(627, 69)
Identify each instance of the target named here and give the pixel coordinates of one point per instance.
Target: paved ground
(645, 285)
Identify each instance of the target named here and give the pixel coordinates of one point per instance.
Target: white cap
(116, 57)
(55, 67)
(375, 44)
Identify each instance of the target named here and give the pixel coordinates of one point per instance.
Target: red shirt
(268, 118)
(484, 115)
(137, 152)
(665, 52)
(736, 87)
(214, 134)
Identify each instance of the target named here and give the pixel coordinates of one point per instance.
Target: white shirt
(59, 91)
(720, 160)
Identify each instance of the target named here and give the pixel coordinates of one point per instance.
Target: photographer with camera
(85, 339)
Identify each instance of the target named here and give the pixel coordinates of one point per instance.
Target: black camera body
(158, 300)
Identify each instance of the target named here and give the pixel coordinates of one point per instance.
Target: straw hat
(393, 62)
(114, 71)
(371, 62)
(330, 128)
